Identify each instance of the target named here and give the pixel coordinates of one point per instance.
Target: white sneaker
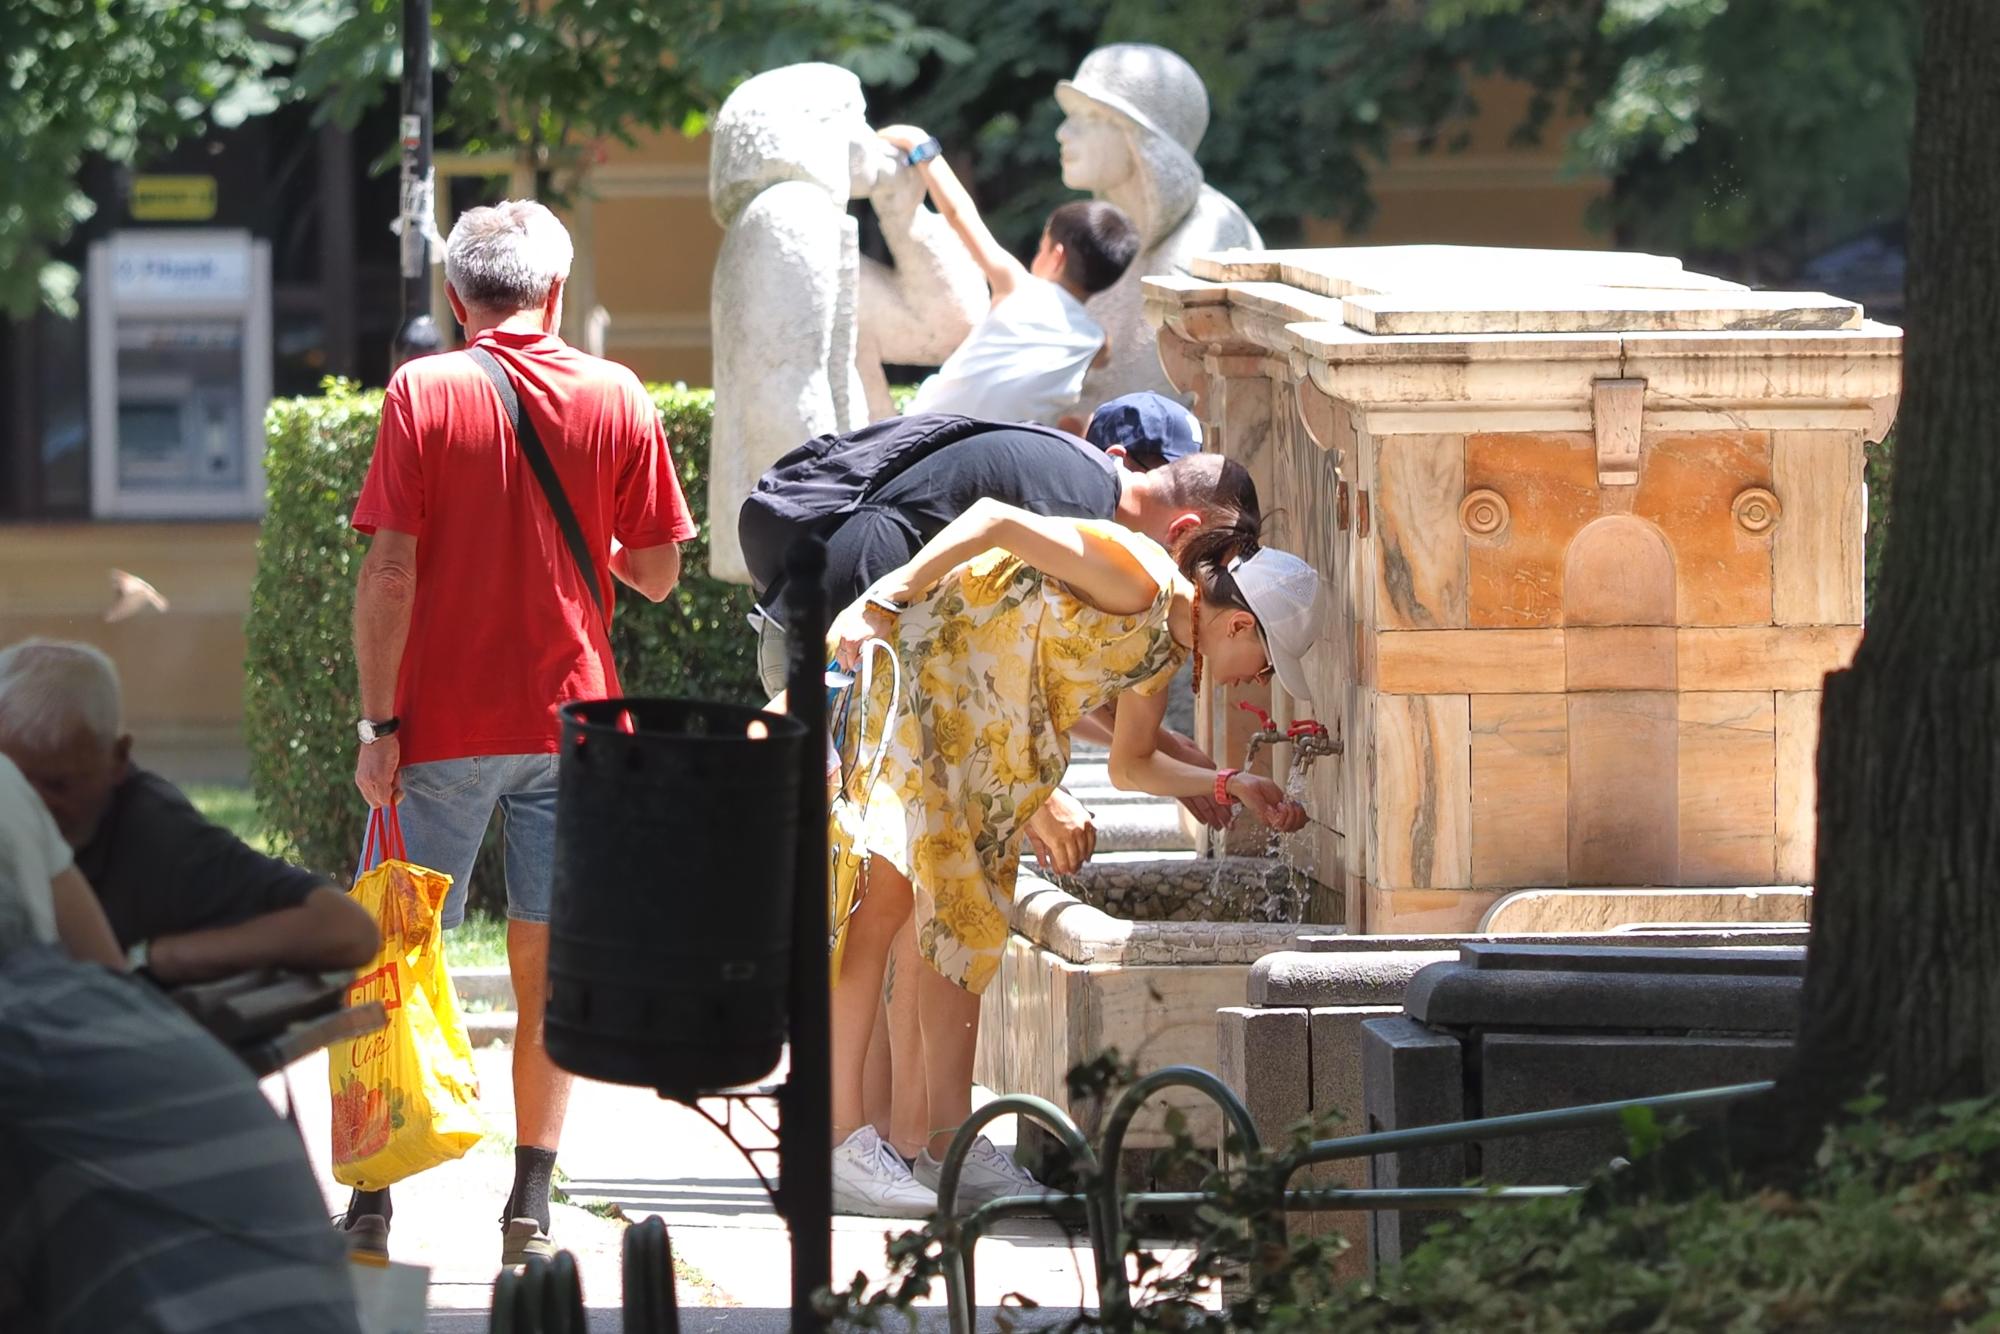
(871, 1179)
(986, 1175)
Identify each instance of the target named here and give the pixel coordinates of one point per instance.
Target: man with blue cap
(1145, 429)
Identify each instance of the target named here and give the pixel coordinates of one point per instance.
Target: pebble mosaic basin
(1225, 889)
(1136, 956)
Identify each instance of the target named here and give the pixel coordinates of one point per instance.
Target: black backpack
(812, 490)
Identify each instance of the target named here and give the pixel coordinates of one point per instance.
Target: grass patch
(480, 941)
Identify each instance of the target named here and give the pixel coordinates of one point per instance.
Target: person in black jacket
(1140, 465)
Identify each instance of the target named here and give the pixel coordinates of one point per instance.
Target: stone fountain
(1593, 523)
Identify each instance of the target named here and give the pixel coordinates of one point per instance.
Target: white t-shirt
(32, 853)
(1024, 362)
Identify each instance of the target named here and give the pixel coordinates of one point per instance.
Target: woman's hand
(861, 622)
(1062, 834)
(1266, 800)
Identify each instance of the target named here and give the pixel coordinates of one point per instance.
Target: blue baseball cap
(1151, 428)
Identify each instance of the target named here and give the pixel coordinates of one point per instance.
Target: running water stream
(1293, 863)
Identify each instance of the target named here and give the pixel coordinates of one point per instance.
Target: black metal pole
(417, 335)
(805, 1125)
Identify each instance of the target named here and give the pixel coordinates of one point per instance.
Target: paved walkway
(628, 1154)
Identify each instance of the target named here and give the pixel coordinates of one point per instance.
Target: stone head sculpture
(788, 148)
(1132, 119)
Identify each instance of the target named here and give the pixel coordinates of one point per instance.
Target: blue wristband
(924, 152)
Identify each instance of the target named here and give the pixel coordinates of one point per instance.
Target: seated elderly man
(188, 899)
(145, 1183)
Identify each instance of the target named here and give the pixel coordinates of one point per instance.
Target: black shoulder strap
(545, 473)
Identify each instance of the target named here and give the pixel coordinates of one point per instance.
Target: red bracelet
(1222, 785)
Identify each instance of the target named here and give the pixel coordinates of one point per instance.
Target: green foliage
(299, 697)
(1751, 129)
(538, 79)
(1758, 129)
(120, 79)
(106, 78)
(1892, 1233)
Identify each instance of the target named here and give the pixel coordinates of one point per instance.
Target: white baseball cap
(1289, 601)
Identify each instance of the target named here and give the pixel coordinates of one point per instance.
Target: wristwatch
(889, 605)
(140, 956)
(924, 152)
(371, 732)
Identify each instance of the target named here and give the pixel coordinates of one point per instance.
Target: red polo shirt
(503, 630)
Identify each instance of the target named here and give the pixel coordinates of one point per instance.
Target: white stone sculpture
(1133, 117)
(792, 303)
(917, 313)
(782, 309)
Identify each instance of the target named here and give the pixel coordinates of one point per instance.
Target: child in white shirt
(1026, 359)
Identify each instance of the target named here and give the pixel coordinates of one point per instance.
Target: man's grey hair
(49, 689)
(506, 257)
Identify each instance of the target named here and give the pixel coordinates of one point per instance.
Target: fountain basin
(1080, 977)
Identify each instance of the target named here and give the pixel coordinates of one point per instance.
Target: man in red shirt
(475, 619)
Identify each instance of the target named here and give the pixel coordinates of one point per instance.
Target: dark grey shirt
(160, 867)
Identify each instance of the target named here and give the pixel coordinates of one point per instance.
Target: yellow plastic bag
(849, 787)
(404, 1096)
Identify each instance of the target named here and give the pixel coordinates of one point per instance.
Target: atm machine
(180, 373)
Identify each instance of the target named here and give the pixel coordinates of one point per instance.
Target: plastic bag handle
(383, 824)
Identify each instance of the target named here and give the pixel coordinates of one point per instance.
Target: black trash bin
(670, 936)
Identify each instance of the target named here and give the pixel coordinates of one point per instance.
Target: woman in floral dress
(1008, 628)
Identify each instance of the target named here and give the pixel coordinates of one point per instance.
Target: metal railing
(1102, 1206)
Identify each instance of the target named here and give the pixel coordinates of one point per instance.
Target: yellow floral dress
(998, 663)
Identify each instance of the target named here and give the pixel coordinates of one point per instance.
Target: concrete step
(483, 986)
(1142, 828)
(491, 1028)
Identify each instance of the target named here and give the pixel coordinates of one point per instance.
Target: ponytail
(1206, 555)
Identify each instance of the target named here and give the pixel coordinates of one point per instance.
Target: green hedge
(299, 703)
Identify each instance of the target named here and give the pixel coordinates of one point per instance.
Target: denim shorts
(446, 807)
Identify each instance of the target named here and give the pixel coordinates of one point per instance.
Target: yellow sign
(173, 198)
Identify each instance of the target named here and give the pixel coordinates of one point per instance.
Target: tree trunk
(1903, 976)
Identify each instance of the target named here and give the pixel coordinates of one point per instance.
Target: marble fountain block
(1593, 528)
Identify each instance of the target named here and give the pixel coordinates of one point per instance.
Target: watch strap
(1222, 778)
(890, 605)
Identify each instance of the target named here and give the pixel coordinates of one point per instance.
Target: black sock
(532, 1169)
(369, 1202)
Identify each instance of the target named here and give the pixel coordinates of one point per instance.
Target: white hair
(49, 688)
(506, 257)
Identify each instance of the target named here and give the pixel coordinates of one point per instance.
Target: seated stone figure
(187, 898)
(1132, 119)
